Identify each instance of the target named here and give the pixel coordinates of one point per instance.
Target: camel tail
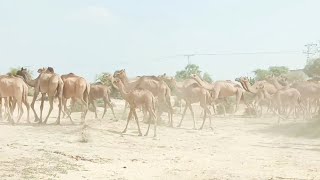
(153, 104)
(59, 90)
(242, 98)
(299, 100)
(86, 92)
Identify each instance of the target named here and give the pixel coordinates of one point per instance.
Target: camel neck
(29, 81)
(204, 84)
(125, 80)
(248, 87)
(123, 92)
(277, 84)
(177, 88)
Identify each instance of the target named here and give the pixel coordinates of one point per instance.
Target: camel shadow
(310, 129)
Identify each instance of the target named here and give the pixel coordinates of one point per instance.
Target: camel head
(244, 81)
(260, 86)
(195, 76)
(120, 74)
(50, 70)
(41, 70)
(117, 83)
(23, 72)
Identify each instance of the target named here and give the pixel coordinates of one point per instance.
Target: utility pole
(310, 50)
(188, 57)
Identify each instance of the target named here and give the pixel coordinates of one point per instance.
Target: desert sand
(237, 148)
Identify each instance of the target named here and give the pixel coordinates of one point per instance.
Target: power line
(226, 54)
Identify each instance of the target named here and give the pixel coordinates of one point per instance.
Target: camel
(254, 89)
(47, 83)
(136, 98)
(99, 91)
(191, 93)
(14, 87)
(309, 90)
(285, 96)
(222, 89)
(78, 89)
(156, 86)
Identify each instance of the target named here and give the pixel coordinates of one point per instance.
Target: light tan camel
(47, 83)
(78, 89)
(309, 90)
(14, 87)
(285, 97)
(254, 89)
(136, 98)
(191, 92)
(156, 86)
(99, 91)
(222, 89)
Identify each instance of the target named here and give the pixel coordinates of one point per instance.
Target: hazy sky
(88, 37)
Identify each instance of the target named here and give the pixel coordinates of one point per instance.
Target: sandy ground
(237, 148)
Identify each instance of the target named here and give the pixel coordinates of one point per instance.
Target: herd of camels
(153, 94)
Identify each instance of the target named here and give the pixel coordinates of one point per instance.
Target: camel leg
(60, 109)
(125, 109)
(155, 123)
(129, 117)
(192, 113)
(0, 108)
(204, 118)
(41, 106)
(66, 111)
(20, 109)
(105, 108)
(137, 121)
(238, 99)
(7, 106)
(111, 107)
(209, 113)
(149, 122)
(184, 113)
(35, 95)
(94, 107)
(50, 110)
(26, 103)
(85, 104)
(169, 106)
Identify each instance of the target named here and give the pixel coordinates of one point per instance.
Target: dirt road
(237, 148)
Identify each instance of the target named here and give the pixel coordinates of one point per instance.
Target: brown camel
(254, 89)
(285, 96)
(99, 91)
(14, 87)
(309, 90)
(222, 89)
(136, 98)
(47, 83)
(156, 86)
(191, 92)
(78, 89)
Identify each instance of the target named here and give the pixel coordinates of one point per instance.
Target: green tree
(312, 68)
(104, 79)
(278, 70)
(188, 70)
(261, 74)
(13, 71)
(207, 77)
(295, 76)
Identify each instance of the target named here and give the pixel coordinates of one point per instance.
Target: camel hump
(152, 77)
(50, 70)
(71, 74)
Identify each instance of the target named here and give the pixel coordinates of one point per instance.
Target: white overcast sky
(88, 37)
